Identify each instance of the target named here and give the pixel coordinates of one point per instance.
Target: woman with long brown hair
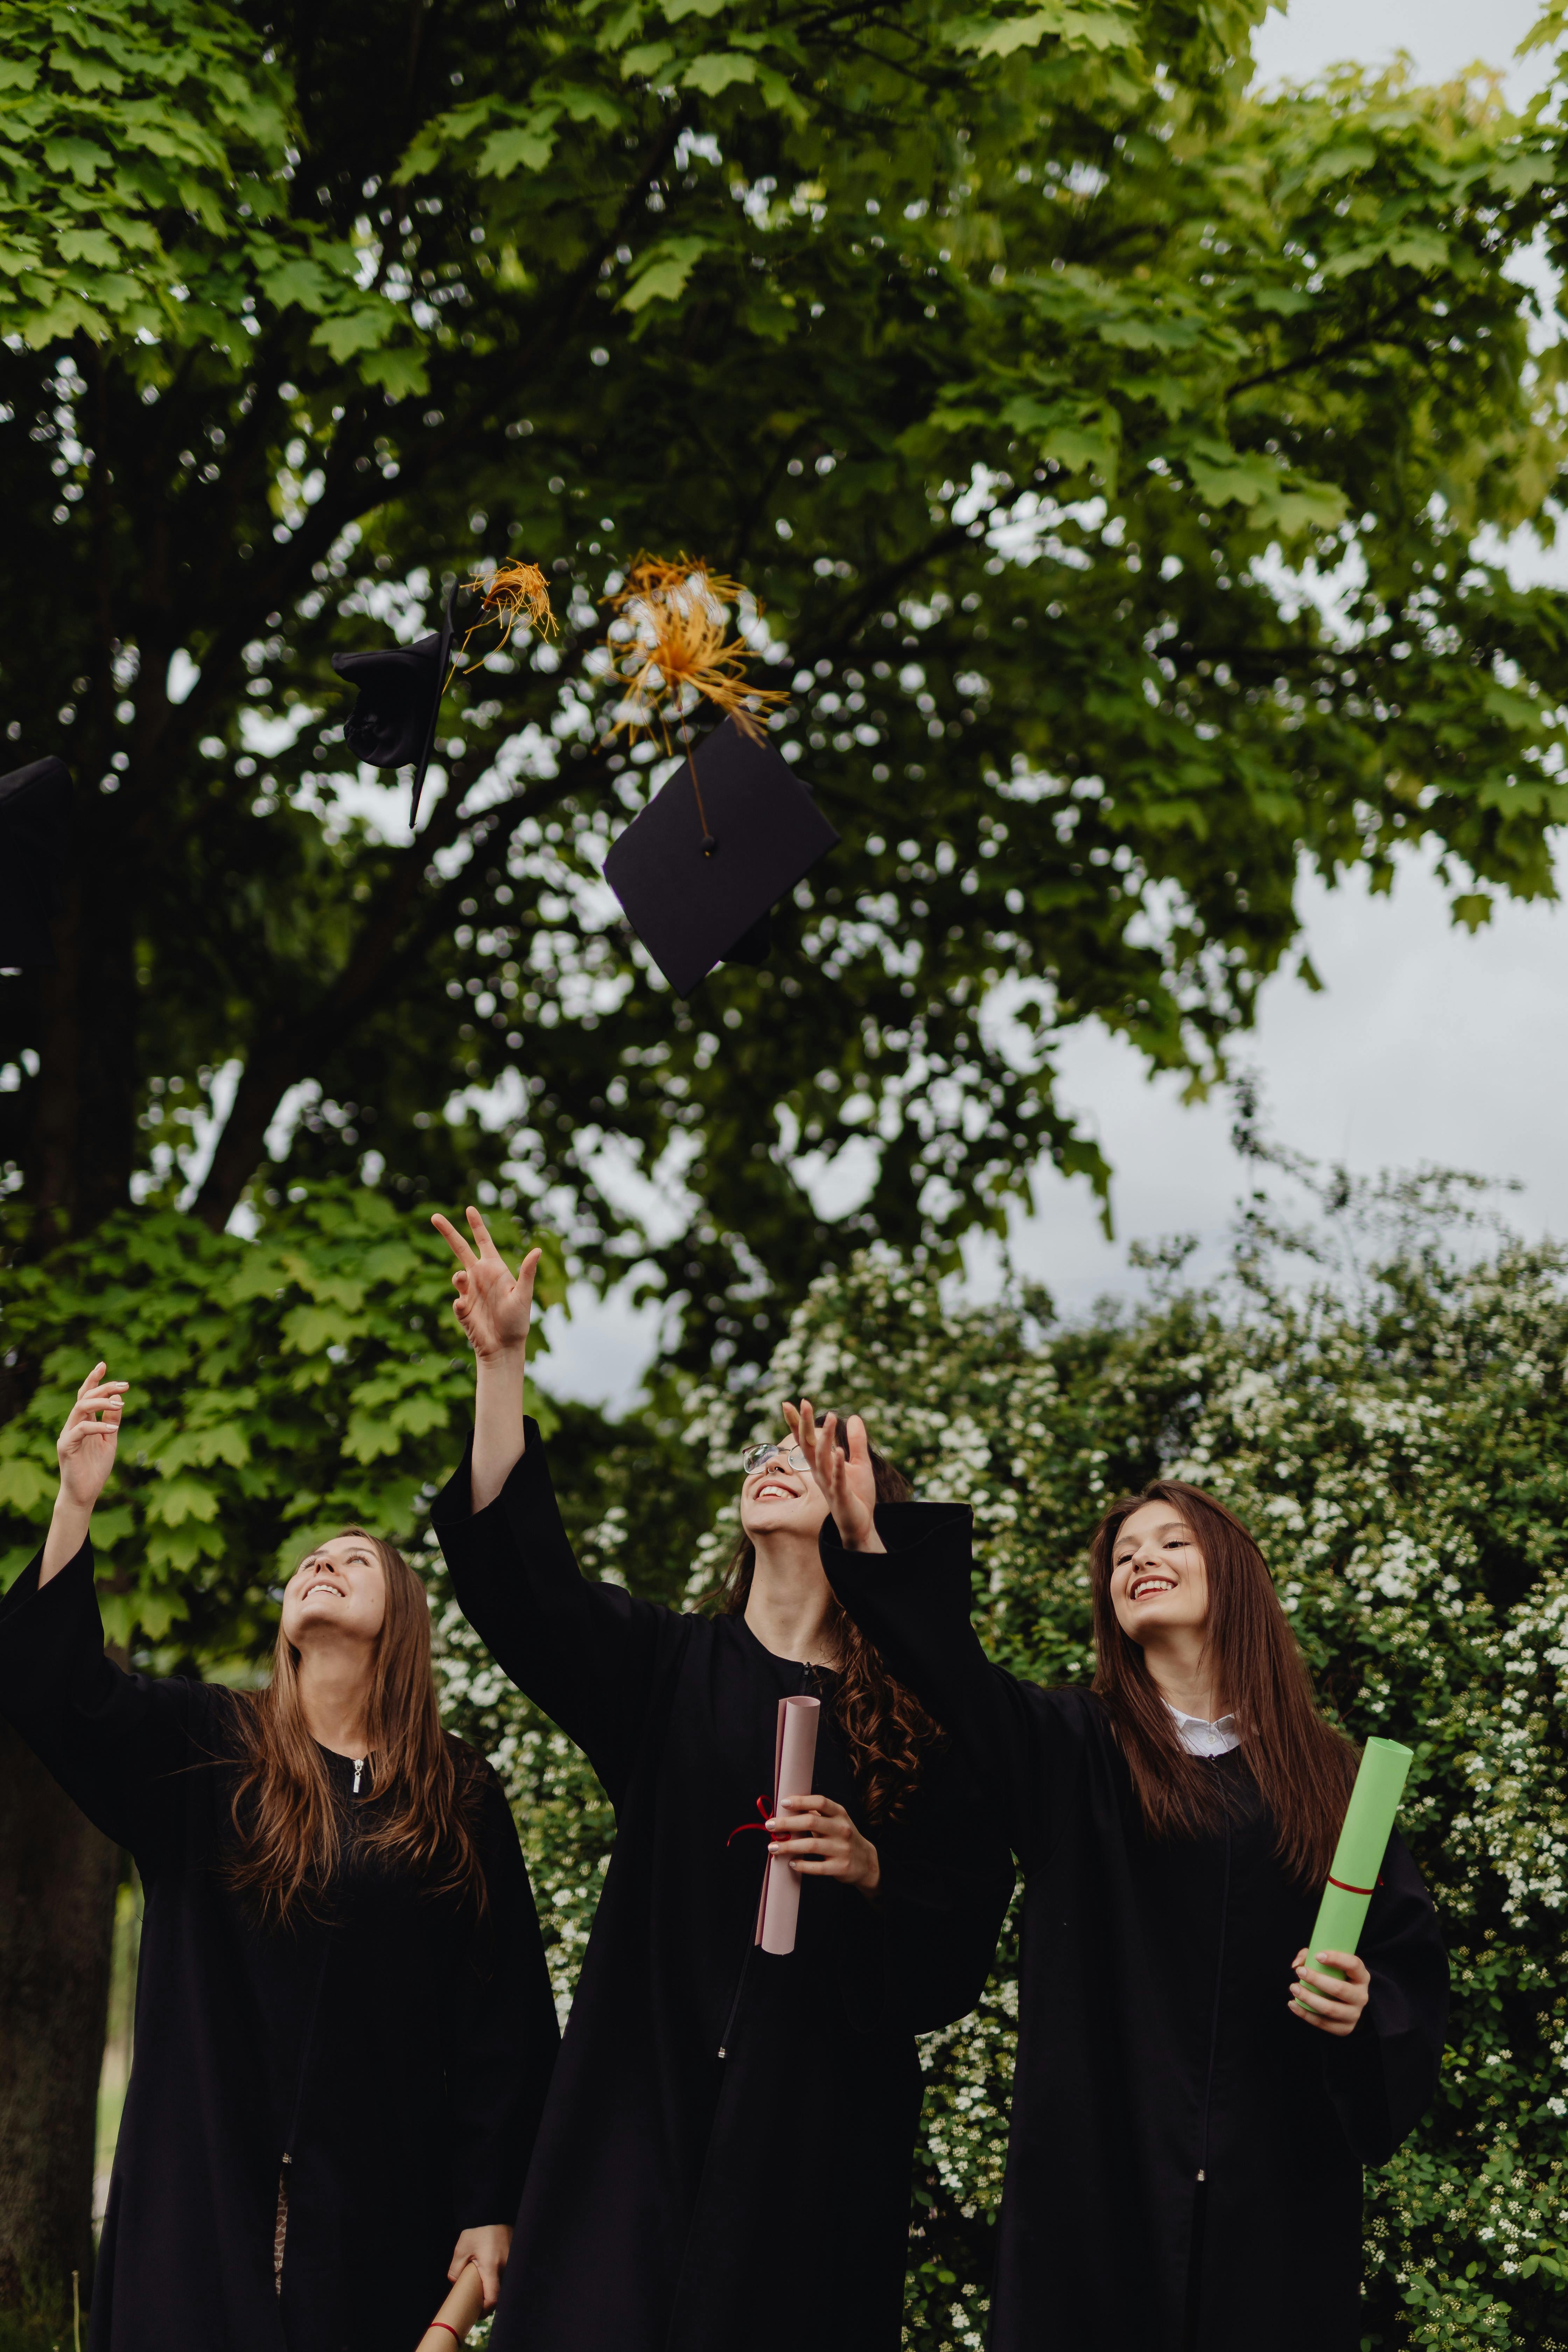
(725, 2155)
(344, 2026)
(1196, 2093)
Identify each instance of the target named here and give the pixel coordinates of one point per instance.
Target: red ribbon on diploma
(1344, 1887)
(775, 1837)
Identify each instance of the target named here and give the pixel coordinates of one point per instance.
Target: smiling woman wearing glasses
(344, 2023)
(726, 2154)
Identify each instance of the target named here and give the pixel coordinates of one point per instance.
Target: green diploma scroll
(1363, 1842)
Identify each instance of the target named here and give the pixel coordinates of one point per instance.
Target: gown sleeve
(1383, 2077)
(913, 1602)
(589, 1654)
(919, 1954)
(117, 1743)
(504, 2034)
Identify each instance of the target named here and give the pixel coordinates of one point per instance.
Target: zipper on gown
(280, 2226)
(280, 2221)
(1200, 2188)
(740, 1985)
(1219, 1989)
(281, 2218)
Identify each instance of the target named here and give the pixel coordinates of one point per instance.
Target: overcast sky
(1442, 37)
(1427, 1046)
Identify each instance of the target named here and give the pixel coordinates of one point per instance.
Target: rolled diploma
(794, 1763)
(460, 2311)
(1363, 1842)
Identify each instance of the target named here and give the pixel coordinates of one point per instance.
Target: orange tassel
(512, 592)
(668, 648)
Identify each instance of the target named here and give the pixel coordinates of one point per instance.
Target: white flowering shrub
(1400, 1445)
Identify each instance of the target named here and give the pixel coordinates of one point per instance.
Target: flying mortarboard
(35, 832)
(400, 690)
(699, 869)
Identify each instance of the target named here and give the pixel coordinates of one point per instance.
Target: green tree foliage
(146, 192)
(282, 1386)
(1023, 365)
(1395, 1427)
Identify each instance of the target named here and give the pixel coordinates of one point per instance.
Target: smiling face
(338, 1593)
(1158, 1579)
(779, 1500)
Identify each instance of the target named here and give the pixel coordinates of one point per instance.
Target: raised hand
(493, 1304)
(86, 1446)
(86, 1449)
(848, 1481)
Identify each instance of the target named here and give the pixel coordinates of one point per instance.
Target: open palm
(848, 1480)
(494, 1305)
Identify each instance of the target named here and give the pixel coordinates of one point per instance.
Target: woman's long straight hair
(886, 1730)
(285, 1816)
(1302, 1766)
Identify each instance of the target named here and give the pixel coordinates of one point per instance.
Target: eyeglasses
(757, 1457)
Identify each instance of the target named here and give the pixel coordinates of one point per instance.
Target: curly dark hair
(885, 1728)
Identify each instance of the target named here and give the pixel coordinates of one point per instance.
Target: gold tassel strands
(668, 647)
(512, 592)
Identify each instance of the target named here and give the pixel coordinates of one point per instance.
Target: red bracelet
(449, 2326)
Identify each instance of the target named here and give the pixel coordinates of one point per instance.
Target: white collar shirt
(1202, 1738)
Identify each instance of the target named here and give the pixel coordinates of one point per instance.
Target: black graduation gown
(1184, 2165)
(682, 2200)
(397, 2049)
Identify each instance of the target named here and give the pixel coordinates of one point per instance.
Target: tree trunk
(58, 1877)
(81, 1151)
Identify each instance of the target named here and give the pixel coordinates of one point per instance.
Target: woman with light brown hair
(1196, 2093)
(344, 2027)
(725, 2159)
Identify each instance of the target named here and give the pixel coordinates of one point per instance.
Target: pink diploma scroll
(795, 1762)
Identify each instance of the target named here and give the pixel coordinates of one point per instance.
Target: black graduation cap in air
(728, 836)
(400, 688)
(34, 833)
